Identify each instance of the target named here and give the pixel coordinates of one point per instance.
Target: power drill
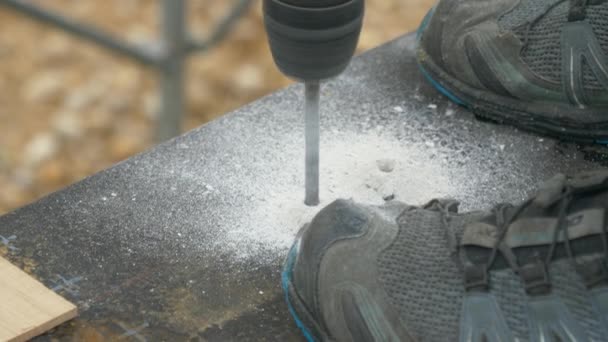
(312, 41)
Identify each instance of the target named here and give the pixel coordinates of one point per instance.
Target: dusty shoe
(536, 272)
(541, 65)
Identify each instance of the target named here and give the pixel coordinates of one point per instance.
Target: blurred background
(69, 108)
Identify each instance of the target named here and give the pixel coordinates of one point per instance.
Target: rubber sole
(511, 111)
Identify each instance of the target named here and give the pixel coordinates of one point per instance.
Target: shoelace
(504, 224)
(564, 202)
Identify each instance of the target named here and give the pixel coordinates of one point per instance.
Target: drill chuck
(313, 39)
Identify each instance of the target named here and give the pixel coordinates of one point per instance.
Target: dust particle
(386, 165)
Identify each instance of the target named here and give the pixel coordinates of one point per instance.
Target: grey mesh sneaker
(535, 272)
(541, 65)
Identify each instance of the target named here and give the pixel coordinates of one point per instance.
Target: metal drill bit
(311, 119)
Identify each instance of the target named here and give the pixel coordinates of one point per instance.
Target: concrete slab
(185, 241)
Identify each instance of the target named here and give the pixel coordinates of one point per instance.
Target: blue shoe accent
(436, 84)
(441, 89)
(602, 142)
(285, 279)
(424, 23)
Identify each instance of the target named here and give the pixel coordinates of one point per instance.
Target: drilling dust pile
(366, 168)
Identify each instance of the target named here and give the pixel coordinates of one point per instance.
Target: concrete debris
(386, 165)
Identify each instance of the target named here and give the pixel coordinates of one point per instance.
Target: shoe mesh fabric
(568, 286)
(524, 12)
(598, 17)
(425, 284)
(421, 277)
(589, 78)
(543, 50)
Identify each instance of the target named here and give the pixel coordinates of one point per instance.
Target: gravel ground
(69, 109)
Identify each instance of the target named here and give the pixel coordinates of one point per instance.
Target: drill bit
(311, 119)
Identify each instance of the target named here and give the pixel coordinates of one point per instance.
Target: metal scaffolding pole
(169, 61)
(172, 69)
(223, 28)
(82, 31)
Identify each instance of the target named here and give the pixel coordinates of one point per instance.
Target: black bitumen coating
(141, 245)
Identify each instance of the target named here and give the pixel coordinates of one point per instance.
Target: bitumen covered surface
(186, 241)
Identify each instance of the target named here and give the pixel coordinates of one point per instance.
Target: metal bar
(312, 132)
(82, 31)
(224, 27)
(169, 60)
(172, 69)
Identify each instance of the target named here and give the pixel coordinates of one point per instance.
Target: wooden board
(28, 308)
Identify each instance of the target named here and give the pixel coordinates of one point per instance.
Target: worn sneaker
(541, 65)
(535, 272)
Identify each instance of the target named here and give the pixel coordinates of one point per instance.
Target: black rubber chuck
(313, 39)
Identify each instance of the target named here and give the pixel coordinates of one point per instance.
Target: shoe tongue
(550, 191)
(541, 224)
(588, 180)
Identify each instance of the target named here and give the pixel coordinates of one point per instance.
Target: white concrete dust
(366, 168)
